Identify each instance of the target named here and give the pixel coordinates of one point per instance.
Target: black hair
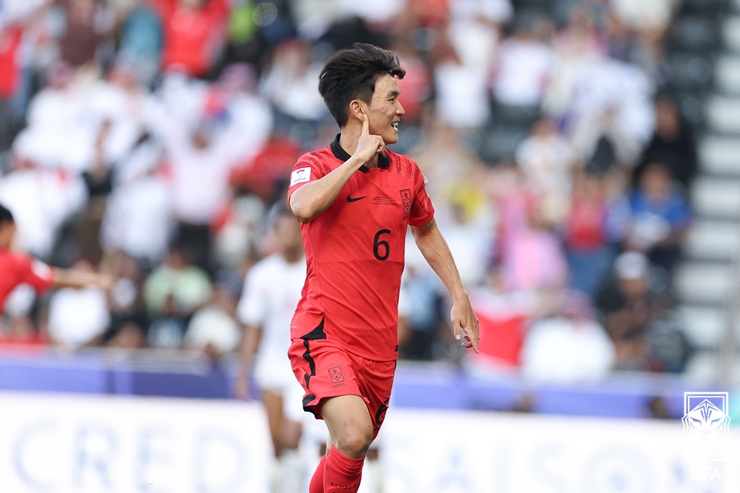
(351, 74)
(5, 215)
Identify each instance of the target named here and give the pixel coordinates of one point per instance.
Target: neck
(348, 138)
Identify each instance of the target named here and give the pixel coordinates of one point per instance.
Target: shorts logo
(406, 199)
(337, 378)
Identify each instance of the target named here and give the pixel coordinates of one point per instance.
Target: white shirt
(76, 316)
(561, 351)
(524, 68)
(211, 325)
(41, 201)
(271, 293)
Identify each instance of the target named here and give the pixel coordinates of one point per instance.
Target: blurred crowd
(151, 139)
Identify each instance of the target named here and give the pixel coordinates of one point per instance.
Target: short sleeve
(251, 308)
(422, 210)
(307, 169)
(35, 273)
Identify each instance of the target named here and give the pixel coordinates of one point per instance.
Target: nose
(399, 109)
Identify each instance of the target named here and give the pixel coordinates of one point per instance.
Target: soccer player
(17, 268)
(355, 200)
(271, 293)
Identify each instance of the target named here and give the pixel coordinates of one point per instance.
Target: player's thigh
(348, 420)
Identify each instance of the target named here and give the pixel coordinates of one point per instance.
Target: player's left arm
(433, 246)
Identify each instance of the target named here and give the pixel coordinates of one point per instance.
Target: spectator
(672, 144)
(533, 258)
(213, 328)
(289, 83)
(88, 24)
(126, 301)
(142, 40)
(626, 303)
(548, 162)
(461, 94)
(201, 160)
(193, 34)
(78, 318)
(660, 217)
(248, 118)
(522, 70)
(60, 132)
(176, 286)
(44, 200)
(139, 217)
(586, 234)
(570, 347)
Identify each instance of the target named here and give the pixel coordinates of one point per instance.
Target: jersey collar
(339, 153)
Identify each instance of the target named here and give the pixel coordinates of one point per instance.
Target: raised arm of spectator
(434, 248)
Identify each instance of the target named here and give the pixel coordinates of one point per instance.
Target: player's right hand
(369, 145)
(241, 387)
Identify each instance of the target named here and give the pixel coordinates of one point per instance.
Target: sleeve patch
(300, 175)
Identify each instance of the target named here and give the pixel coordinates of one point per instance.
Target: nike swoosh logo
(354, 199)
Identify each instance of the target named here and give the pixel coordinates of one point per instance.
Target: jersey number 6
(377, 243)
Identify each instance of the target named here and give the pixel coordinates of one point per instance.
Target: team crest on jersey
(406, 199)
(337, 378)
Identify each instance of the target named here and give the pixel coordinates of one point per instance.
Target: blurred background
(582, 156)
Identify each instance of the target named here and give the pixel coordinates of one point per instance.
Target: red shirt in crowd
(191, 36)
(18, 269)
(10, 40)
(355, 251)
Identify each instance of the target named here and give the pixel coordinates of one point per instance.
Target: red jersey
(18, 269)
(355, 251)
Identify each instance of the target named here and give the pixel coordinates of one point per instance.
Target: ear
(357, 109)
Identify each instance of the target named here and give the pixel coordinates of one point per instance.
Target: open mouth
(395, 125)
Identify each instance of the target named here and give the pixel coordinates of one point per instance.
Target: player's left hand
(465, 323)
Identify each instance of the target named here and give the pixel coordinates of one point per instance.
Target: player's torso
(281, 283)
(368, 219)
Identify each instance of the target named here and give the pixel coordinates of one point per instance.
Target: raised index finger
(365, 125)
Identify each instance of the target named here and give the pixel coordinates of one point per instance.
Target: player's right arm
(313, 198)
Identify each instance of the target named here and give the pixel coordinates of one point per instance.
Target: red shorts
(326, 370)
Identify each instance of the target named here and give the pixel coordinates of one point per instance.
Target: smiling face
(385, 111)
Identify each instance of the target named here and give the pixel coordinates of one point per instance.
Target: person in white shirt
(78, 317)
(271, 292)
